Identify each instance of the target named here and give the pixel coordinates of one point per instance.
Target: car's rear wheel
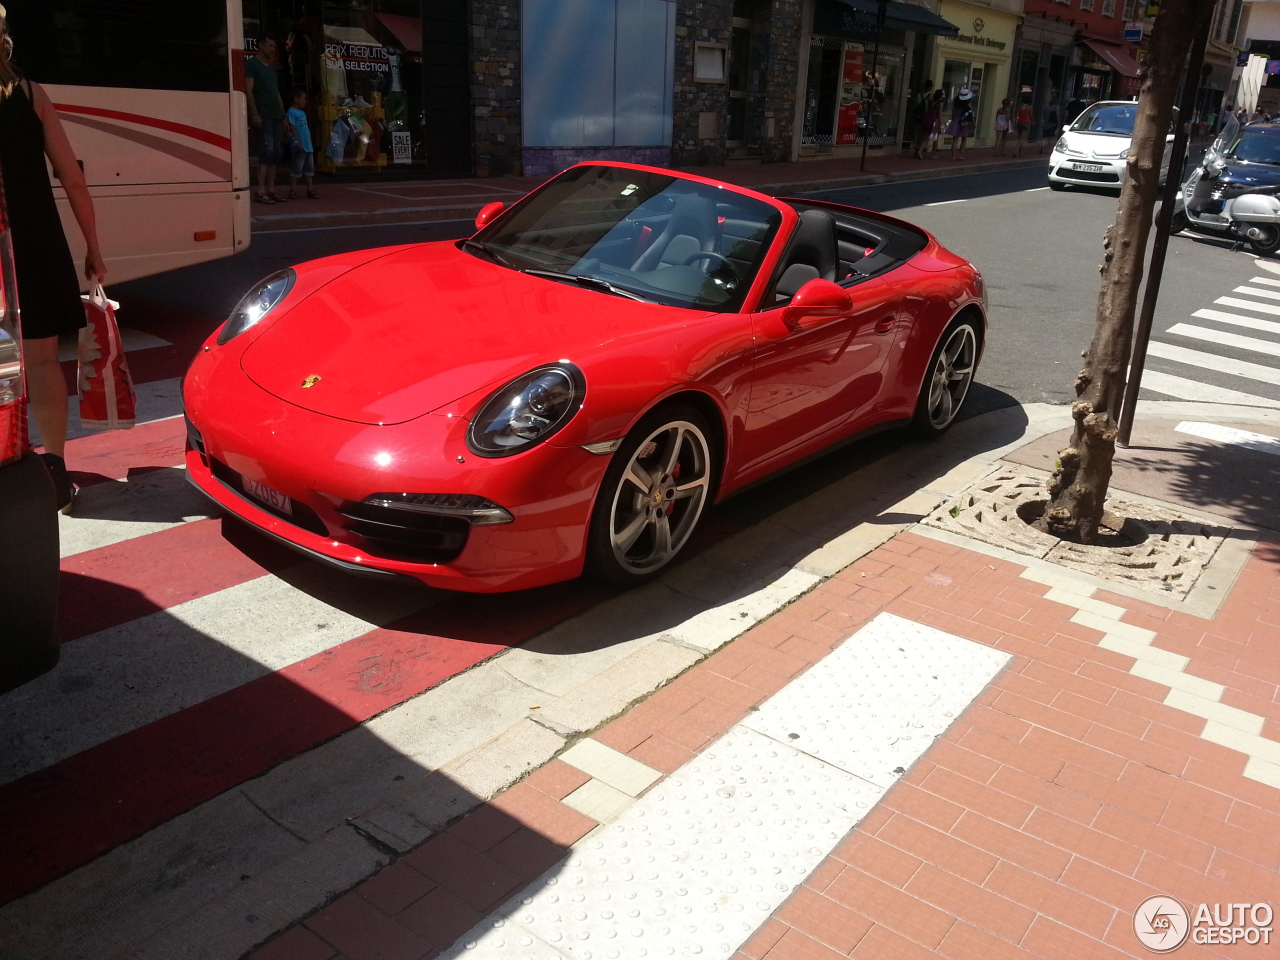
(652, 496)
(947, 379)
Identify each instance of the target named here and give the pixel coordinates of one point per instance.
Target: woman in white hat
(960, 129)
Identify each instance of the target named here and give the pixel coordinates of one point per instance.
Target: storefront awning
(408, 30)
(1121, 63)
(898, 16)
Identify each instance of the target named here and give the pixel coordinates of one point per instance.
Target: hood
(399, 337)
(1250, 175)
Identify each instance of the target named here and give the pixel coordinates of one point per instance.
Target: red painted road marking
(115, 454)
(80, 808)
(124, 581)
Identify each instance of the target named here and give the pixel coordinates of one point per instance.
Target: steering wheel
(720, 260)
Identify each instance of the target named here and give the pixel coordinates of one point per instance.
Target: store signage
(1133, 33)
(355, 56)
(401, 147)
(850, 94)
(1153, 8)
(980, 41)
(1242, 58)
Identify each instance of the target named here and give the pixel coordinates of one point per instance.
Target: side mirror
(1066, 127)
(816, 302)
(488, 213)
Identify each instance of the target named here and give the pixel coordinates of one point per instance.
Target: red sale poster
(850, 94)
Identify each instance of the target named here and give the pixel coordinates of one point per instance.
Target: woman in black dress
(48, 289)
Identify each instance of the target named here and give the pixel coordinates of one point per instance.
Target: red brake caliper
(675, 475)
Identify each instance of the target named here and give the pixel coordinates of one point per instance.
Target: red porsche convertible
(569, 389)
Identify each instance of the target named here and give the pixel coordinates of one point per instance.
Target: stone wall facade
(699, 104)
(775, 68)
(495, 87)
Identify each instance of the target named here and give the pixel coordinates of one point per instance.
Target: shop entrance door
(958, 74)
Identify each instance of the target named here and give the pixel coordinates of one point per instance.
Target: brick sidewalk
(1068, 792)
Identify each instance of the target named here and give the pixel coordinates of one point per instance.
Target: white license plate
(1088, 167)
(271, 498)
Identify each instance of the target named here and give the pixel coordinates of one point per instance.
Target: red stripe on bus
(115, 584)
(74, 811)
(195, 133)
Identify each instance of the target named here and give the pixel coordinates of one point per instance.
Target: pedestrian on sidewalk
(960, 129)
(933, 124)
(303, 153)
(1002, 125)
(1051, 129)
(266, 113)
(920, 117)
(46, 275)
(1023, 127)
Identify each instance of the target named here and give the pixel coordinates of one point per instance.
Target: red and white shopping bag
(107, 400)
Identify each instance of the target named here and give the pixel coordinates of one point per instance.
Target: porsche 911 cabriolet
(572, 387)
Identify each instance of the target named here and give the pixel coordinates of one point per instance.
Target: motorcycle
(1233, 191)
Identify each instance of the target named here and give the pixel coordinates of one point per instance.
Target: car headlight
(1061, 145)
(527, 410)
(1123, 155)
(256, 304)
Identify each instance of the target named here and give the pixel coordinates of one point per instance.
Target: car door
(819, 378)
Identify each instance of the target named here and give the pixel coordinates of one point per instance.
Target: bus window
(151, 44)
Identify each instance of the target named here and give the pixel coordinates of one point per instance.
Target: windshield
(649, 235)
(1256, 145)
(1114, 118)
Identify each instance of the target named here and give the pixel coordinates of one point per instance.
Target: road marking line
(1249, 305)
(870, 707)
(1183, 389)
(1257, 292)
(1211, 361)
(1035, 189)
(1270, 282)
(1226, 339)
(1267, 326)
(1259, 442)
(943, 203)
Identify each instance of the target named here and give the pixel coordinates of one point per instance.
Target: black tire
(1269, 246)
(947, 379)
(1055, 185)
(1179, 222)
(652, 497)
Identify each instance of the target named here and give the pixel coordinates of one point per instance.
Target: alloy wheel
(659, 497)
(951, 376)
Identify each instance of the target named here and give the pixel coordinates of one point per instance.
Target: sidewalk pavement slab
(1030, 820)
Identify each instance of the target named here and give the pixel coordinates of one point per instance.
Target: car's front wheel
(947, 380)
(652, 497)
(1055, 185)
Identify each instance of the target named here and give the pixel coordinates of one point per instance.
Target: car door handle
(886, 325)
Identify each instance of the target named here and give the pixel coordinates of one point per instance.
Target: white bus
(150, 93)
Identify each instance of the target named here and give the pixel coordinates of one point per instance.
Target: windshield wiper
(594, 282)
(487, 250)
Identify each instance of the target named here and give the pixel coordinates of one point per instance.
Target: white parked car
(1094, 147)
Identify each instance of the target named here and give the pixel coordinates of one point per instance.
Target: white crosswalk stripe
(1226, 368)
(1229, 339)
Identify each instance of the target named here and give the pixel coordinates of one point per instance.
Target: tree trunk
(1078, 487)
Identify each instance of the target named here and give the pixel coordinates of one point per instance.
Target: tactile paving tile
(693, 868)
(881, 698)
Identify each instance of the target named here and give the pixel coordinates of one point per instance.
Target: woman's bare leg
(47, 388)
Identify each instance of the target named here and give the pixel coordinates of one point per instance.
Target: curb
(466, 211)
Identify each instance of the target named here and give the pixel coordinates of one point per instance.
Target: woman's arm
(58, 149)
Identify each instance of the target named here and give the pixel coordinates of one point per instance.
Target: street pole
(882, 10)
(1173, 183)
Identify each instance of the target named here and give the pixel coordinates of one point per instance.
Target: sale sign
(850, 94)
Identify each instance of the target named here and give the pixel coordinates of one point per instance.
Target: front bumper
(327, 466)
(1063, 169)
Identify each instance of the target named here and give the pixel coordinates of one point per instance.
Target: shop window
(125, 43)
(598, 74)
(1086, 6)
(850, 94)
(1128, 10)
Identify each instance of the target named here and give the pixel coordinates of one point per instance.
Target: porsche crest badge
(311, 381)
